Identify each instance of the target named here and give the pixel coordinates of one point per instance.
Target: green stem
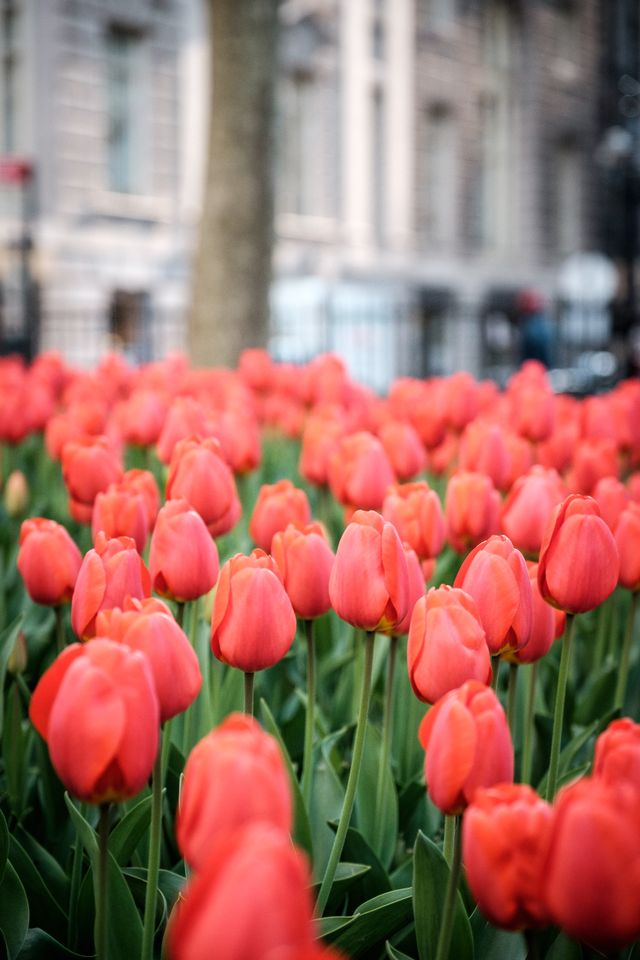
(512, 690)
(352, 782)
(60, 630)
(189, 712)
(154, 859)
(527, 747)
(248, 692)
(496, 673)
(180, 605)
(558, 715)
(449, 838)
(446, 928)
(386, 742)
(74, 889)
(101, 890)
(307, 768)
(625, 657)
(533, 944)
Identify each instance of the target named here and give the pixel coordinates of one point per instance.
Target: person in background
(536, 329)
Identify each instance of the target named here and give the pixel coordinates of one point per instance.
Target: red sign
(15, 170)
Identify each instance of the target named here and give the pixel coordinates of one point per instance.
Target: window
(123, 110)
(440, 180)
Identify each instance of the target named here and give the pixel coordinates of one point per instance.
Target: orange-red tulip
(579, 562)
(248, 907)
(468, 746)
(404, 448)
(505, 833)
(472, 507)
(233, 777)
(592, 872)
(416, 513)
(111, 572)
(148, 626)
(627, 538)
(199, 474)
(547, 625)
(253, 623)
(118, 512)
(305, 561)
(369, 584)
(612, 497)
(183, 558)
(483, 449)
(277, 505)
(495, 575)
(447, 644)
(89, 466)
(528, 507)
(360, 472)
(416, 583)
(617, 753)
(48, 560)
(97, 709)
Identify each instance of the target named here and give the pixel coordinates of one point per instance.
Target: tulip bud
(89, 466)
(528, 506)
(199, 474)
(495, 575)
(416, 513)
(16, 493)
(472, 507)
(505, 833)
(233, 777)
(183, 558)
(592, 871)
(253, 622)
(404, 448)
(48, 560)
(627, 538)
(415, 580)
(468, 745)
(305, 561)
(277, 506)
(19, 656)
(360, 472)
(447, 644)
(617, 753)
(547, 625)
(369, 583)
(97, 710)
(579, 562)
(110, 572)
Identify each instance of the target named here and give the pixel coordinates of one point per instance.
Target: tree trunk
(232, 270)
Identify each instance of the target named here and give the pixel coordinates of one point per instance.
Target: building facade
(434, 158)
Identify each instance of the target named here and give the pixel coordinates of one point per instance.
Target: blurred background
(421, 186)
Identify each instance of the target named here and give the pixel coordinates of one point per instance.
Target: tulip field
(291, 671)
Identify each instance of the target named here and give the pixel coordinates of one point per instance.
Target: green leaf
(14, 911)
(395, 954)
(38, 945)
(16, 750)
(430, 877)
(47, 867)
(301, 825)
(330, 926)
(85, 831)
(8, 639)
(564, 949)
(128, 833)
(493, 944)
(327, 798)
(598, 695)
(46, 912)
(374, 922)
(124, 923)
(346, 875)
(169, 883)
(368, 818)
(570, 751)
(4, 844)
(357, 850)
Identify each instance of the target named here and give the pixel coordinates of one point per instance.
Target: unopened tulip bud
(16, 493)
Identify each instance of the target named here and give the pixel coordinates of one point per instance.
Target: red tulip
(547, 625)
(579, 562)
(447, 644)
(187, 417)
(48, 561)
(627, 538)
(183, 558)
(468, 746)
(360, 472)
(143, 483)
(118, 512)
(472, 507)
(249, 907)
(148, 626)
(617, 753)
(404, 448)
(110, 573)
(233, 777)
(415, 511)
(319, 440)
(592, 872)
(369, 585)
(199, 474)
(592, 460)
(505, 833)
(89, 466)
(253, 622)
(305, 561)
(495, 575)
(528, 506)
(483, 449)
(612, 497)
(416, 585)
(141, 417)
(278, 505)
(97, 709)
